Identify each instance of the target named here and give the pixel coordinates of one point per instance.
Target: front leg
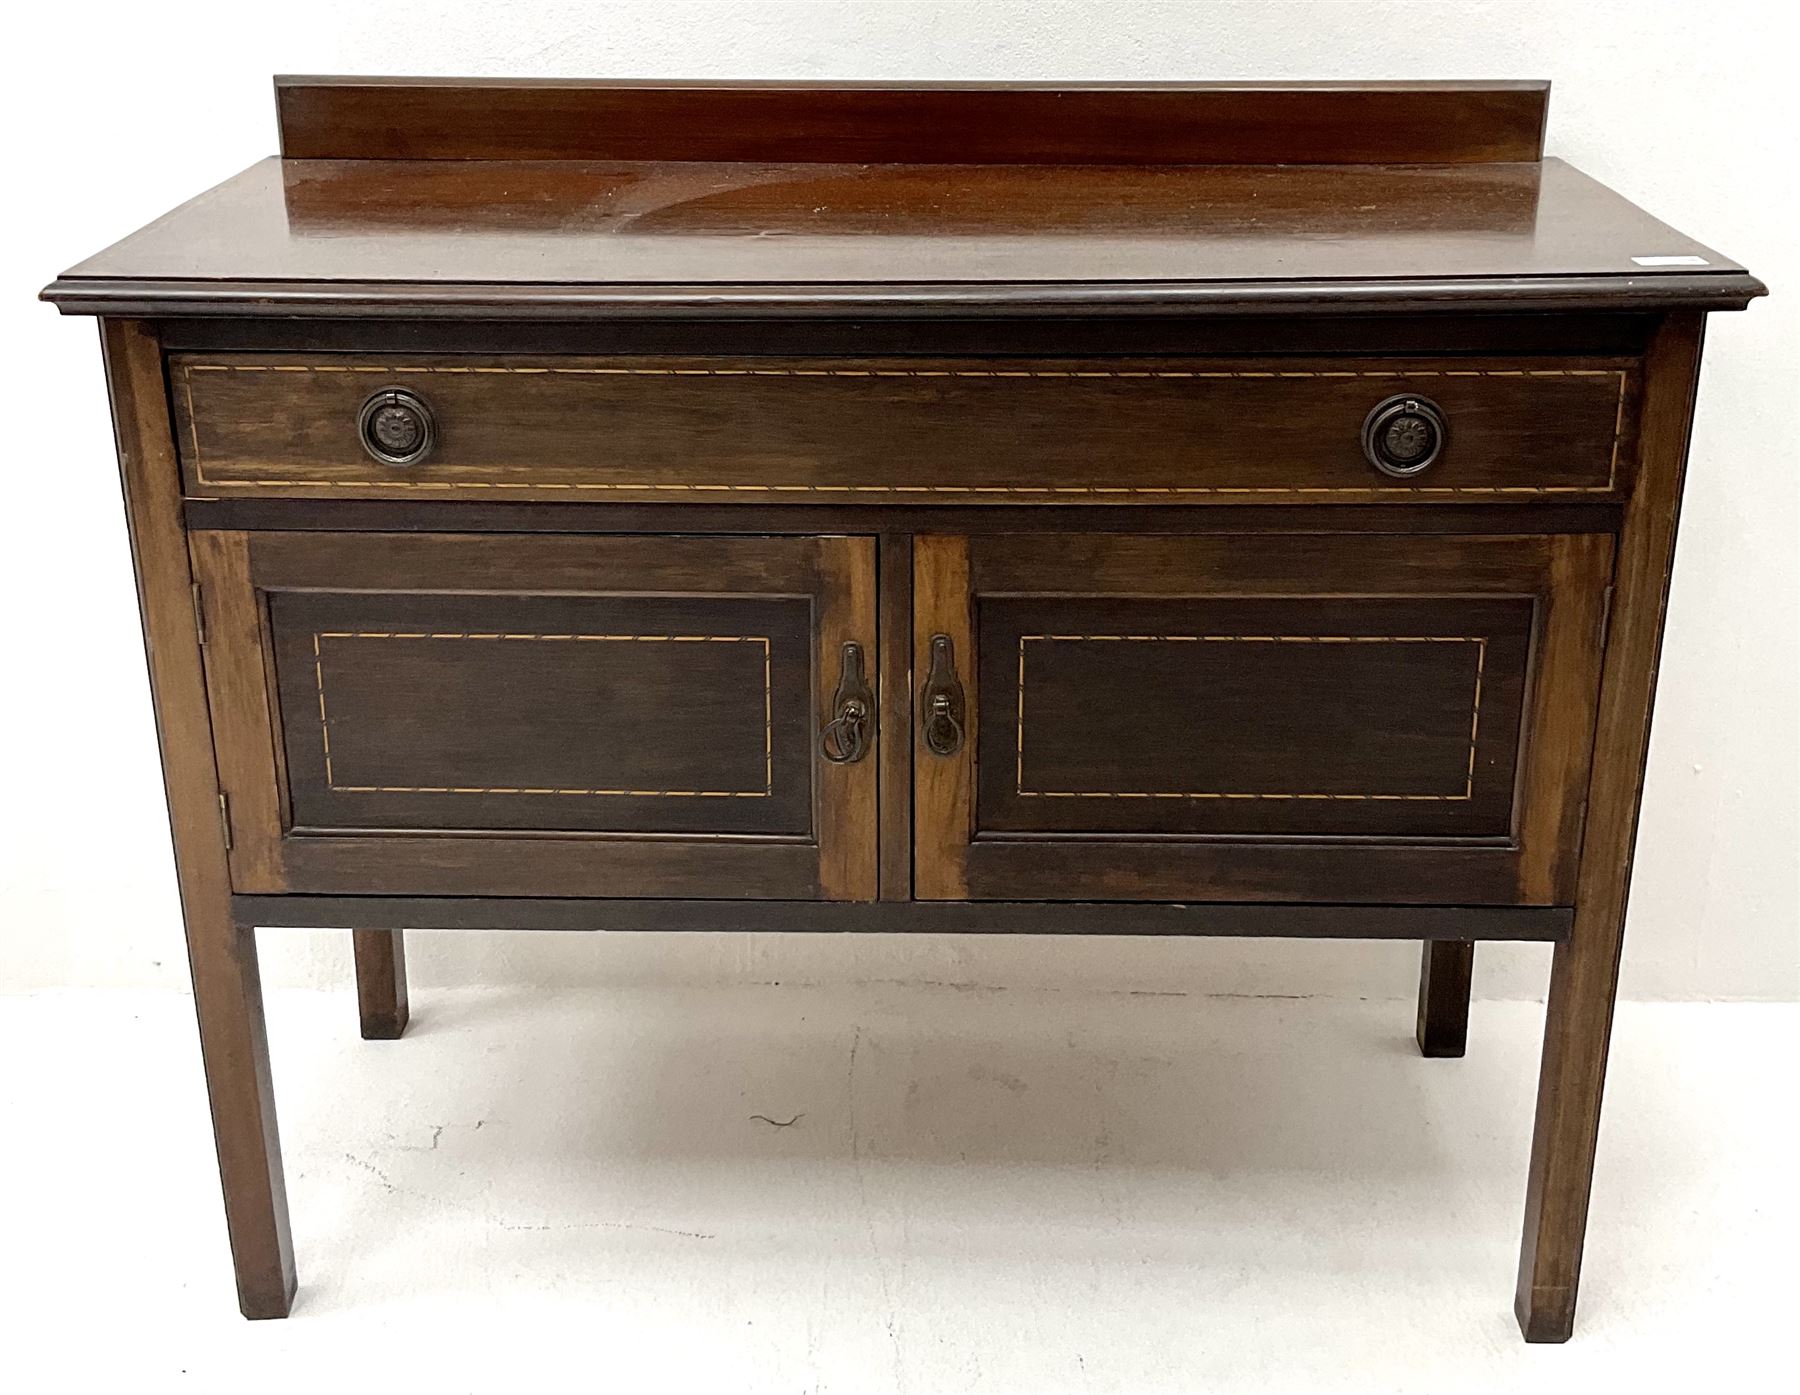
(1576, 1032)
(234, 1047)
(1585, 972)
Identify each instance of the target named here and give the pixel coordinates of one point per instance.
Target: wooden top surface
(453, 235)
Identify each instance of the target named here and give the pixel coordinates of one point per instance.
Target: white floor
(981, 1191)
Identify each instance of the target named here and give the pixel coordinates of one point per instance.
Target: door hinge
(199, 613)
(1605, 628)
(225, 819)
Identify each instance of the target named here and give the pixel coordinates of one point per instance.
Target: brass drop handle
(845, 739)
(941, 700)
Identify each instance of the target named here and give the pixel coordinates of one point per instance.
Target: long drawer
(762, 430)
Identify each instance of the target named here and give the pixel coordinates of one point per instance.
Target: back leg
(381, 982)
(1445, 970)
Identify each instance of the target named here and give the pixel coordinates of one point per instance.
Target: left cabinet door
(500, 715)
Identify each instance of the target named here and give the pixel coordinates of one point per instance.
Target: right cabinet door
(1321, 718)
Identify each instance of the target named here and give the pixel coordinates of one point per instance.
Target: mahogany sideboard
(1173, 510)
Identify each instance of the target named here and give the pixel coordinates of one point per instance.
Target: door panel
(1338, 718)
(553, 716)
(597, 714)
(1291, 716)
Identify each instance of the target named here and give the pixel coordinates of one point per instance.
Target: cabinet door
(549, 716)
(1319, 718)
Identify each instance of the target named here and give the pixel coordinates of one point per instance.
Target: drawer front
(760, 430)
(1339, 718)
(550, 716)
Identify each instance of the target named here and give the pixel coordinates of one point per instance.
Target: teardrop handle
(941, 700)
(845, 739)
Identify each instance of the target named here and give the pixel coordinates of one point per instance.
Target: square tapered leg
(1446, 969)
(235, 1048)
(381, 983)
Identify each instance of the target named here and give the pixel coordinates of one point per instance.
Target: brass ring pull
(845, 739)
(1404, 435)
(942, 700)
(396, 427)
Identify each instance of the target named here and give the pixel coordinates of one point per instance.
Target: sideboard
(1173, 510)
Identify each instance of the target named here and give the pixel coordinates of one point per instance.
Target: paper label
(1670, 261)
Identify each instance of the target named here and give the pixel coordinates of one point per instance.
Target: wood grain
(1552, 798)
(252, 774)
(943, 786)
(339, 118)
(893, 751)
(848, 820)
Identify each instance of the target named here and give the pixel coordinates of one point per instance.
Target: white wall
(114, 112)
